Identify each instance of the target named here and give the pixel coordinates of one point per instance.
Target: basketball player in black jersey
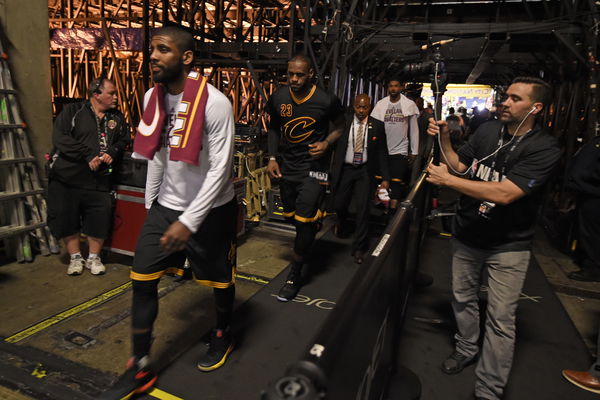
(299, 142)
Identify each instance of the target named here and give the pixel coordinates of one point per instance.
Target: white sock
(142, 362)
(93, 255)
(75, 255)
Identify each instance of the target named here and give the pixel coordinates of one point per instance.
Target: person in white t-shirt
(400, 116)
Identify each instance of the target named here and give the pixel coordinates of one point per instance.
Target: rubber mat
(269, 334)
(547, 341)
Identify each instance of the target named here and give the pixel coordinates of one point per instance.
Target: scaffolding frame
(231, 22)
(243, 45)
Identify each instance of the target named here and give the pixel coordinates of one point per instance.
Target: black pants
(355, 184)
(400, 171)
(588, 215)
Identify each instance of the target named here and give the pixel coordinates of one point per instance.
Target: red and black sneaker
(136, 379)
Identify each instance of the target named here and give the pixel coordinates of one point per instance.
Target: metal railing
(353, 355)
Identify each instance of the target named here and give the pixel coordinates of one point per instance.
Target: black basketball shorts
(211, 251)
(302, 199)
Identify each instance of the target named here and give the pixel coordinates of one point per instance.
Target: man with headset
(499, 172)
(89, 139)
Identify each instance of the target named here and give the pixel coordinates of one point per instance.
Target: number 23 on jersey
(285, 110)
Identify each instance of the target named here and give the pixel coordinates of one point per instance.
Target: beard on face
(167, 74)
(299, 88)
(508, 118)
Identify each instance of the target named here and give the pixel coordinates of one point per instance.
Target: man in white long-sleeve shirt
(400, 116)
(192, 209)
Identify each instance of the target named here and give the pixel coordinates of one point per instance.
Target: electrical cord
(439, 133)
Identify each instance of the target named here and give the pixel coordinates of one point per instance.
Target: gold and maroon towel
(186, 139)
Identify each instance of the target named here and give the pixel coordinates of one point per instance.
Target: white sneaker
(75, 266)
(95, 266)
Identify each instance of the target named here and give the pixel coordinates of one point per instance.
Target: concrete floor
(97, 336)
(580, 299)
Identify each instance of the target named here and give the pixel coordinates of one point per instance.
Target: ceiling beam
(490, 48)
(571, 46)
(274, 50)
(470, 28)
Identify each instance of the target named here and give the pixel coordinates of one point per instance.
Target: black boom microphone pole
(433, 66)
(438, 78)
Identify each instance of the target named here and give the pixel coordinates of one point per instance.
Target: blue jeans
(506, 274)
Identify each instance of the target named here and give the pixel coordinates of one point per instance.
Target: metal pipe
(571, 48)
(165, 13)
(256, 81)
(291, 37)
(117, 75)
(239, 31)
(146, 46)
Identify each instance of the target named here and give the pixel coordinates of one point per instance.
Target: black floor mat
(547, 341)
(269, 334)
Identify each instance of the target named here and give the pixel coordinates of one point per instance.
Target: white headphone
(491, 154)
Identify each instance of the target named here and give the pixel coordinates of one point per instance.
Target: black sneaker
(292, 285)
(456, 363)
(135, 380)
(218, 350)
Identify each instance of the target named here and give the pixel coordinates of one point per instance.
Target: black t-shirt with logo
(301, 122)
(527, 161)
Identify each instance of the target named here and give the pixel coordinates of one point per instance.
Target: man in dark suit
(360, 155)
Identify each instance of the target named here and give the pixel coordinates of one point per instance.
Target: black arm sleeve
(274, 130)
(64, 142)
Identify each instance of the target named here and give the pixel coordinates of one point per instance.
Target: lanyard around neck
(101, 129)
(510, 150)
